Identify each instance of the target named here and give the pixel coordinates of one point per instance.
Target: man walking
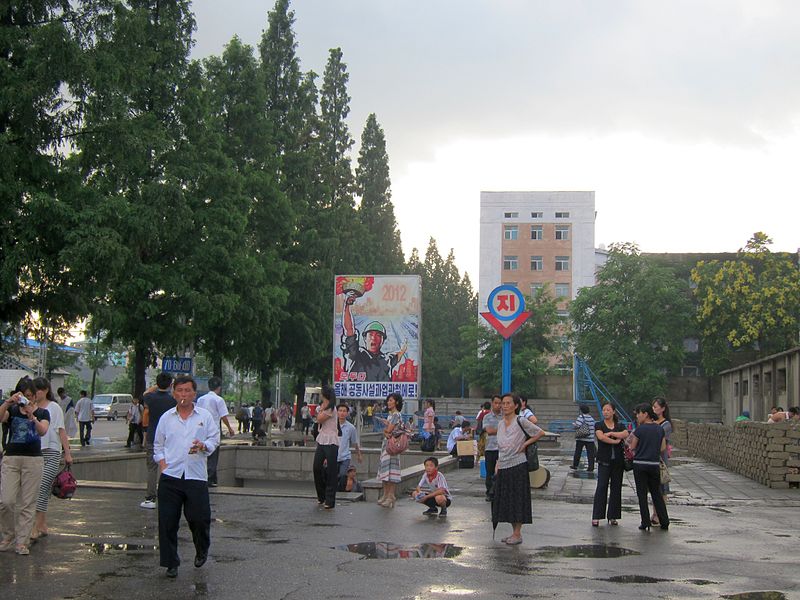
(134, 419)
(215, 404)
(347, 440)
(156, 403)
(492, 451)
(184, 437)
(85, 413)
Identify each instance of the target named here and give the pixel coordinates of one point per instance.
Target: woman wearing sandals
(512, 488)
(611, 436)
(326, 477)
(661, 409)
(53, 443)
(648, 442)
(389, 468)
(22, 466)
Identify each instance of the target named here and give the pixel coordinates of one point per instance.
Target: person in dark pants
(325, 466)
(85, 413)
(490, 454)
(184, 438)
(648, 442)
(584, 438)
(156, 402)
(611, 436)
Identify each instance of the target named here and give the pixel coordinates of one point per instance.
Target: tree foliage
(631, 324)
(752, 302)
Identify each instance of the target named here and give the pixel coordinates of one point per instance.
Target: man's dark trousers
(490, 457)
(192, 496)
(213, 460)
(85, 432)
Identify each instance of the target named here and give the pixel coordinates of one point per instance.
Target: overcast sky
(682, 115)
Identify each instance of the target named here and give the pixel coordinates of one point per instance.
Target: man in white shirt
(461, 432)
(215, 404)
(84, 410)
(347, 441)
(184, 438)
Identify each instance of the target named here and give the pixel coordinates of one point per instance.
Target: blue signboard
(176, 364)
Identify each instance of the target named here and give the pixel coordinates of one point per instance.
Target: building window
(511, 215)
(563, 343)
(562, 290)
(563, 316)
(780, 381)
(536, 232)
(509, 263)
(735, 389)
(537, 215)
(691, 344)
(562, 232)
(514, 283)
(536, 288)
(756, 389)
(562, 263)
(562, 215)
(690, 371)
(537, 264)
(510, 232)
(745, 388)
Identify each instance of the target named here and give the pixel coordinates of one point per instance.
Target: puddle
(322, 524)
(722, 510)
(757, 596)
(389, 550)
(585, 551)
(782, 535)
(97, 548)
(698, 541)
(702, 582)
(582, 475)
(635, 579)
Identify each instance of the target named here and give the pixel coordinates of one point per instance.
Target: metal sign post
(506, 313)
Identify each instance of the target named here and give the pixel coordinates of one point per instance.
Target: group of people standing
(37, 441)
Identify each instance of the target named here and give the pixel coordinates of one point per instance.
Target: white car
(111, 406)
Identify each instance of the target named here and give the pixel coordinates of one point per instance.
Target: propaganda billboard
(376, 336)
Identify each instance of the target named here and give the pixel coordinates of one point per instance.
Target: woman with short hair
(611, 436)
(22, 466)
(648, 442)
(512, 488)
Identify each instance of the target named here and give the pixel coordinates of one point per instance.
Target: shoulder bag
(531, 451)
(663, 472)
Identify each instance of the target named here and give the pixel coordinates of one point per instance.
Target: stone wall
(769, 454)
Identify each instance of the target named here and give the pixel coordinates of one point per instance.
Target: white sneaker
(148, 504)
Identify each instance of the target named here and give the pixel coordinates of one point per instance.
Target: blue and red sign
(506, 310)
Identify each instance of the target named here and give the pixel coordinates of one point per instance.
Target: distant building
(535, 240)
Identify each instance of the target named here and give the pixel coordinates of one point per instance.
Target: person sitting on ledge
(463, 432)
(777, 414)
(745, 416)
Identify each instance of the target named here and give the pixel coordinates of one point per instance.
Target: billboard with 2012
(376, 336)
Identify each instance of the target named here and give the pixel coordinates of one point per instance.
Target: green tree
(532, 344)
(750, 303)
(631, 324)
(382, 250)
(137, 212)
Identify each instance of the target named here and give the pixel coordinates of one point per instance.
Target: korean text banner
(376, 336)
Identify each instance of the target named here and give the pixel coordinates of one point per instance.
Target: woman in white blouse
(512, 491)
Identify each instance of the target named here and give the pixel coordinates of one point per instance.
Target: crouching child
(432, 490)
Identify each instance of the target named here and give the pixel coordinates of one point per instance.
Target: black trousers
(191, 495)
(85, 431)
(326, 477)
(648, 479)
(608, 474)
(213, 461)
(134, 431)
(490, 457)
(590, 451)
(431, 503)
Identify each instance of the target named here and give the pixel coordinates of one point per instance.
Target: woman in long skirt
(389, 468)
(512, 489)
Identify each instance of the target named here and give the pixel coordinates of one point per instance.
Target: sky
(682, 115)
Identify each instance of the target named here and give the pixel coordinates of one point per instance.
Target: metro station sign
(506, 310)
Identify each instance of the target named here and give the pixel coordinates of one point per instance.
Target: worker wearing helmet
(367, 359)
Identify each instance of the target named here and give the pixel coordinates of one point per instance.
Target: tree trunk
(94, 380)
(299, 395)
(263, 383)
(216, 365)
(141, 358)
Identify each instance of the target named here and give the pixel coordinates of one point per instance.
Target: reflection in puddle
(388, 550)
(757, 596)
(635, 579)
(702, 582)
(585, 551)
(98, 548)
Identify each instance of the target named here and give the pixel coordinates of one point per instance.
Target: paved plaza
(729, 536)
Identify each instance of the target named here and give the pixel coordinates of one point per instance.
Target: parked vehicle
(111, 406)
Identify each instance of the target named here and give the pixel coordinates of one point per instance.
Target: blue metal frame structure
(588, 389)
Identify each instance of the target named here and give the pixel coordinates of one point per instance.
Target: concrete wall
(769, 454)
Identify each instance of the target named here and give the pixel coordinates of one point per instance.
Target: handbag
(582, 430)
(531, 451)
(397, 443)
(663, 472)
(628, 454)
(65, 484)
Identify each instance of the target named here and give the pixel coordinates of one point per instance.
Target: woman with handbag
(389, 467)
(648, 442)
(611, 436)
(661, 409)
(54, 442)
(511, 502)
(584, 438)
(326, 474)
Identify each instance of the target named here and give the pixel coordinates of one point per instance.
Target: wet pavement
(729, 537)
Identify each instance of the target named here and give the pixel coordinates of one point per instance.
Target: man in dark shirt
(156, 403)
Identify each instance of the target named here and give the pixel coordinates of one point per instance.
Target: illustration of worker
(367, 359)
